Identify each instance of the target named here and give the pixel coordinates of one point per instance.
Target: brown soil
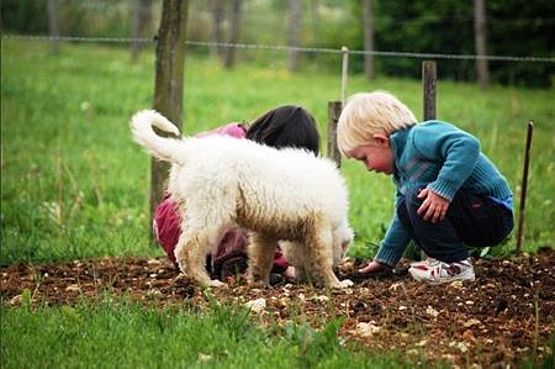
(506, 315)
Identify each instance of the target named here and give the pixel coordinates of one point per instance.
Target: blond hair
(369, 113)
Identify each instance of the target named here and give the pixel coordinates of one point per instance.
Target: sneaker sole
(440, 281)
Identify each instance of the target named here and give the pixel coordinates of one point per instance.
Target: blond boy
(449, 194)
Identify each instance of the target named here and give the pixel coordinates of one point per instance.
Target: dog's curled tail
(162, 148)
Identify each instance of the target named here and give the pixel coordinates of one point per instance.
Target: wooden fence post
(524, 188)
(344, 71)
(429, 78)
(334, 110)
(168, 89)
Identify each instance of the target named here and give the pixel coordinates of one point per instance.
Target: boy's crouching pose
(449, 194)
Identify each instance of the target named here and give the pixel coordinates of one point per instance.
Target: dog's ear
(347, 237)
(343, 237)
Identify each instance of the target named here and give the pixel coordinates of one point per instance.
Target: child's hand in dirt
(374, 267)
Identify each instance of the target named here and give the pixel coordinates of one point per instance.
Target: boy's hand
(434, 206)
(374, 267)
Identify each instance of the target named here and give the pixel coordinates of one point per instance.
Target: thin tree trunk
(480, 38)
(315, 12)
(368, 32)
(216, 27)
(168, 89)
(229, 59)
(54, 25)
(293, 37)
(141, 22)
(1, 21)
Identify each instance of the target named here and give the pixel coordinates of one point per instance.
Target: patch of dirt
(506, 315)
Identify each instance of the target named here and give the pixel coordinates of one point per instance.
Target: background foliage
(517, 28)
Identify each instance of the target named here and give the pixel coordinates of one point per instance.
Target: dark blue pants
(471, 220)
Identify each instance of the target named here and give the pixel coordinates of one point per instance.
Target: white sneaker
(426, 261)
(437, 272)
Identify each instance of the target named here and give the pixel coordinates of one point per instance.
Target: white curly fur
(220, 183)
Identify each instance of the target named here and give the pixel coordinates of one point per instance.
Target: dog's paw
(345, 283)
(259, 283)
(214, 283)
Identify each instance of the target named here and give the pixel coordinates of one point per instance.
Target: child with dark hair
(281, 127)
(286, 126)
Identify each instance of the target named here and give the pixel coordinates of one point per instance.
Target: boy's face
(377, 155)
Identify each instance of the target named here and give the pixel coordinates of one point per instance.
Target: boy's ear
(381, 139)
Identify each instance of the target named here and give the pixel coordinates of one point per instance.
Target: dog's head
(342, 237)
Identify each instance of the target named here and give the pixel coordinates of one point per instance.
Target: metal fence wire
(316, 50)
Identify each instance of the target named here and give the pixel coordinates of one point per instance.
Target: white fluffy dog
(222, 182)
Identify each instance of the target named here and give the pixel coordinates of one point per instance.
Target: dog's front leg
(319, 249)
(261, 251)
(325, 273)
(190, 254)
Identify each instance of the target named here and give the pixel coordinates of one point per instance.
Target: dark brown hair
(286, 126)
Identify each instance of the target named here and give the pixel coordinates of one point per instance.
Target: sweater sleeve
(457, 150)
(394, 243)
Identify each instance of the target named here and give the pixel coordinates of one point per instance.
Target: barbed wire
(78, 39)
(401, 54)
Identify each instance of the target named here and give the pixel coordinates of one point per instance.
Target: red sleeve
(166, 224)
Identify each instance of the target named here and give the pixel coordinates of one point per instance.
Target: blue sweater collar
(398, 139)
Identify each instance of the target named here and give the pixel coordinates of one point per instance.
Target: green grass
(75, 186)
(119, 334)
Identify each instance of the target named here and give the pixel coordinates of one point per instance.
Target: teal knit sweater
(439, 156)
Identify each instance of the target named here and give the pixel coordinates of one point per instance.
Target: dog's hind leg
(190, 253)
(261, 257)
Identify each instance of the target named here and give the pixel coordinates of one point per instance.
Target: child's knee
(407, 207)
